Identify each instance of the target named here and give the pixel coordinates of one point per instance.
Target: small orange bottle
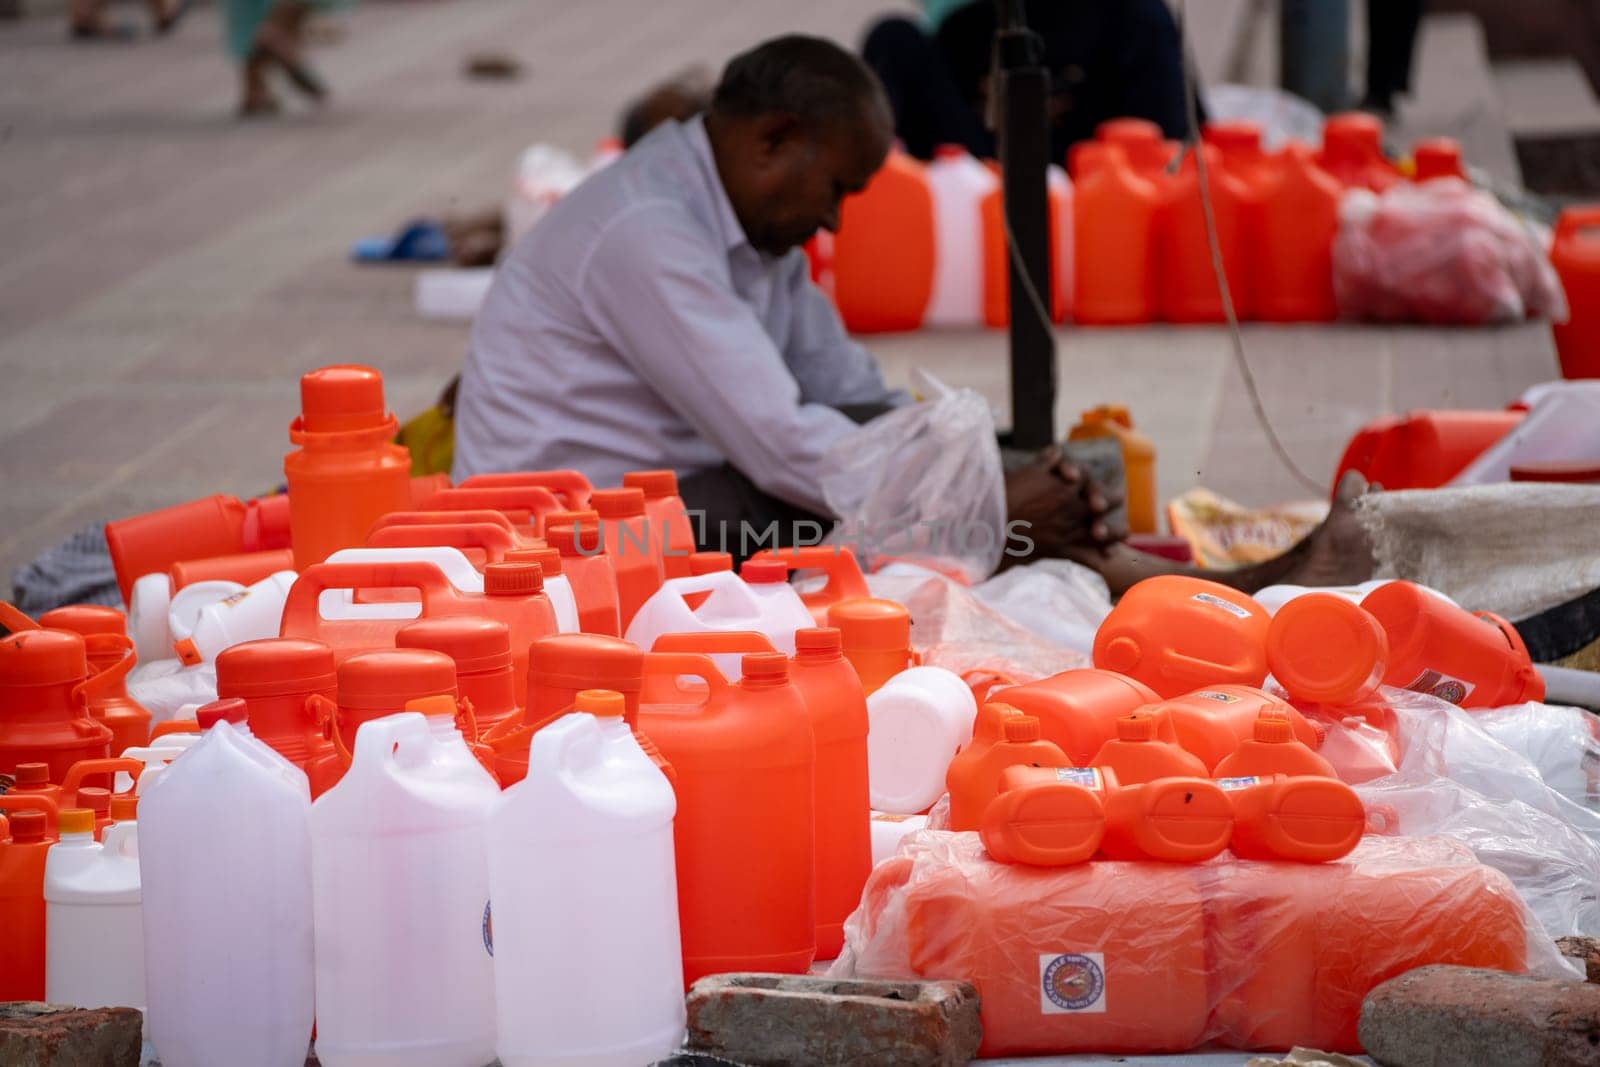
(1273, 750)
(874, 292)
(669, 519)
(1137, 756)
(1138, 460)
(1187, 287)
(33, 780)
(1239, 141)
(1307, 819)
(1575, 254)
(634, 549)
(347, 472)
(974, 775)
(22, 907)
(876, 636)
(1352, 151)
(1292, 242)
(1113, 232)
(1437, 157)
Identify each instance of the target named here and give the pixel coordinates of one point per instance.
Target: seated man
(662, 315)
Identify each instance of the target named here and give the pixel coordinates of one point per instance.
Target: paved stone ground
(169, 271)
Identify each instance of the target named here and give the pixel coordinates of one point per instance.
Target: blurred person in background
(87, 22)
(263, 35)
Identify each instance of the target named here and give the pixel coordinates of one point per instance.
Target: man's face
(798, 178)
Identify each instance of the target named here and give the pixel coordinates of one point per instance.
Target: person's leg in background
(1391, 43)
(929, 107)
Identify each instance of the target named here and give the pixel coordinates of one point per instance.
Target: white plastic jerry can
(919, 720)
(400, 893)
(94, 939)
(225, 847)
(773, 608)
(959, 183)
(588, 962)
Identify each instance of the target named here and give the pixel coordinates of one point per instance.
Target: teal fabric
(936, 11)
(241, 19)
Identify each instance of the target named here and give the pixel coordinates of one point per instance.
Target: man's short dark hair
(808, 77)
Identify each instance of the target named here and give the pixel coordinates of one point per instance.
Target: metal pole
(1022, 91)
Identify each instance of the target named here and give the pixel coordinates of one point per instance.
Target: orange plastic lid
(656, 484)
(548, 559)
(818, 639)
(764, 571)
(767, 667)
(86, 619)
(872, 625)
(624, 503)
(1436, 149)
(574, 541)
(275, 666)
(605, 703)
(95, 798)
(513, 579)
(1127, 131)
(586, 661)
(1136, 728)
(230, 709)
(587, 517)
(69, 821)
(1324, 648)
(42, 657)
(33, 774)
(1273, 729)
(474, 643)
(340, 398)
(1352, 130)
(1021, 728)
(125, 808)
(709, 562)
(431, 707)
(28, 827)
(387, 678)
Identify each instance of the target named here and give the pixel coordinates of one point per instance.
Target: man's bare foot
(1338, 552)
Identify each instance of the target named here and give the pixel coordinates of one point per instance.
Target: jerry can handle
(838, 562)
(325, 713)
(103, 680)
(85, 768)
(30, 802)
(484, 535)
(380, 740)
(432, 517)
(174, 726)
(665, 668)
(467, 721)
(711, 641)
(14, 618)
(302, 610)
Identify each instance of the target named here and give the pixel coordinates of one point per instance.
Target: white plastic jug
(919, 720)
(94, 940)
(400, 892)
(888, 829)
(148, 604)
(958, 183)
(588, 963)
(248, 615)
(774, 609)
(155, 758)
(225, 846)
(183, 611)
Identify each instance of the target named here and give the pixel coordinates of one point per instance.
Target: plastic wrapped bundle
(1150, 957)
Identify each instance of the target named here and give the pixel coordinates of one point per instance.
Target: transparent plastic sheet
(1563, 744)
(1440, 252)
(953, 629)
(1058, 600)
(922, 482)
(1282, 116)
(162, 687)
(1151, 957)
(1458, 780)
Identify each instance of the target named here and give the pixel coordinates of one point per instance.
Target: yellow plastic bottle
(1138, 460)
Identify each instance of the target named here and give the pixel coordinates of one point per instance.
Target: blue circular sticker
(1073, 982)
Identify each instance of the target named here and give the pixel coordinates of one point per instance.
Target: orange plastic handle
(174, 726)
(1573, 219)
(14, 618)
(845, 581)
(569, 483)
(443, 518)
(301, 612)
(662, 671)
(326, 714)
(710, 641)
(534, 499)
(97, 683)
(85, 768)
(494, 540)
(30, 802)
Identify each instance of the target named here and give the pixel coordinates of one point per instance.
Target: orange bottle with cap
(996, 250)
(1437, 157)
(372, 685)
(512, 593)
(481, 651)
(1292, 241)
(669, 519)
(1137, 756)
(895, 210)
(837, 563)
(592, 574)
(974, 775)
(110, 655)
(33, 780)
(1213, 722)
(22, 908)
(1113, 228)
(1325, 649)
(1141, 141)
(43, 708)
(278, 678)
(125, 808)
(1078, 710)
(1187, 289)
(1273, 749)
(1176, 634)
(1474, 661)
(876, 637)
(635, 553)
(1138, 459)
(569, 486)
(1352, 152)
(1575, 254)
(347, 472)
(1239, 143)
(745, 760)
(1306, 818)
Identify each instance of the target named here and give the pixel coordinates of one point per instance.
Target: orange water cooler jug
(883, 251)
(1437, 157)
(23, 844)
(1423, 449)
(1292, 241)
(154, 541)
(1176, 634)
(745, 761)
(997, 258)
(1435, 647)
(592, 575)
(110, 655)
(44, 715)
(347, 472)
(278, 678)
(1078, 710)
(635, 554)
(1186, 287)
(481, 651)
(1138, 460)
(1113, 230)
(1352, 151)
(669, 519)
(876, 636)
(974, 775)
(1575, 254)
